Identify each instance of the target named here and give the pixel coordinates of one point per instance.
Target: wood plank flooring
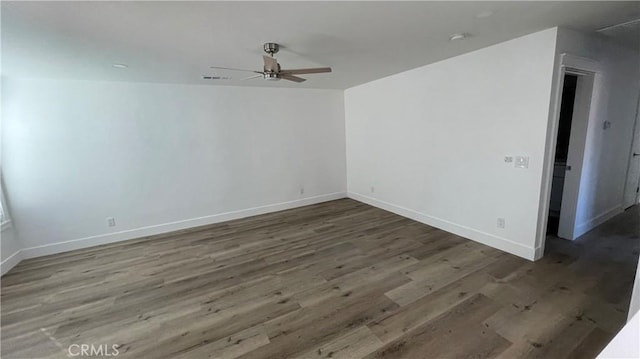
(335, 280)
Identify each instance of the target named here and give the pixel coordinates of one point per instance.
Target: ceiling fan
(272, 70)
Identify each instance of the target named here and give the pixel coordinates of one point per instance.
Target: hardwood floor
(335, 280)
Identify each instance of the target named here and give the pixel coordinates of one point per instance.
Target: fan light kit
(272, 71)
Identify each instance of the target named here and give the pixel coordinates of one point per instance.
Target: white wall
(432, 141)
(607, 152)
(161, 157)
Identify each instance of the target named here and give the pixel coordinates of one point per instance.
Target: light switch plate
(522, 162)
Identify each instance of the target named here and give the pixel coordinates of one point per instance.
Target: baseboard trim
(10, 262)
(92, 241)
(491, 240)
(597, 220)
(538, 253)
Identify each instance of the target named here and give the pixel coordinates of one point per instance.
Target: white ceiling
(176, 42)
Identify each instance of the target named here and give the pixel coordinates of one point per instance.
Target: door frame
(566, 63)
(634, 143)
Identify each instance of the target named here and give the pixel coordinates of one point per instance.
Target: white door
(575, 157)
(631, 194)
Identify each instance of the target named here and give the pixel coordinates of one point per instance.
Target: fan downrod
(271, 48)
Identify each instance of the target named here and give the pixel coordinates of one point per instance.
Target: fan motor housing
(271, 76)
(271, 48)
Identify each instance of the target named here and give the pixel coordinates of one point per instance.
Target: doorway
(562, 152)
(573, 119)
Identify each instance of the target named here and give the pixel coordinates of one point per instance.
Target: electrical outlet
(500, 223)
(522, 162)
(508, 159)
(111, 222)
(373, 189)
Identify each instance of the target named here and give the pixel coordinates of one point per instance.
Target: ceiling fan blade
(270, 64)
(315, 70)
(233, 69)
(292, 78)
(252, 77)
